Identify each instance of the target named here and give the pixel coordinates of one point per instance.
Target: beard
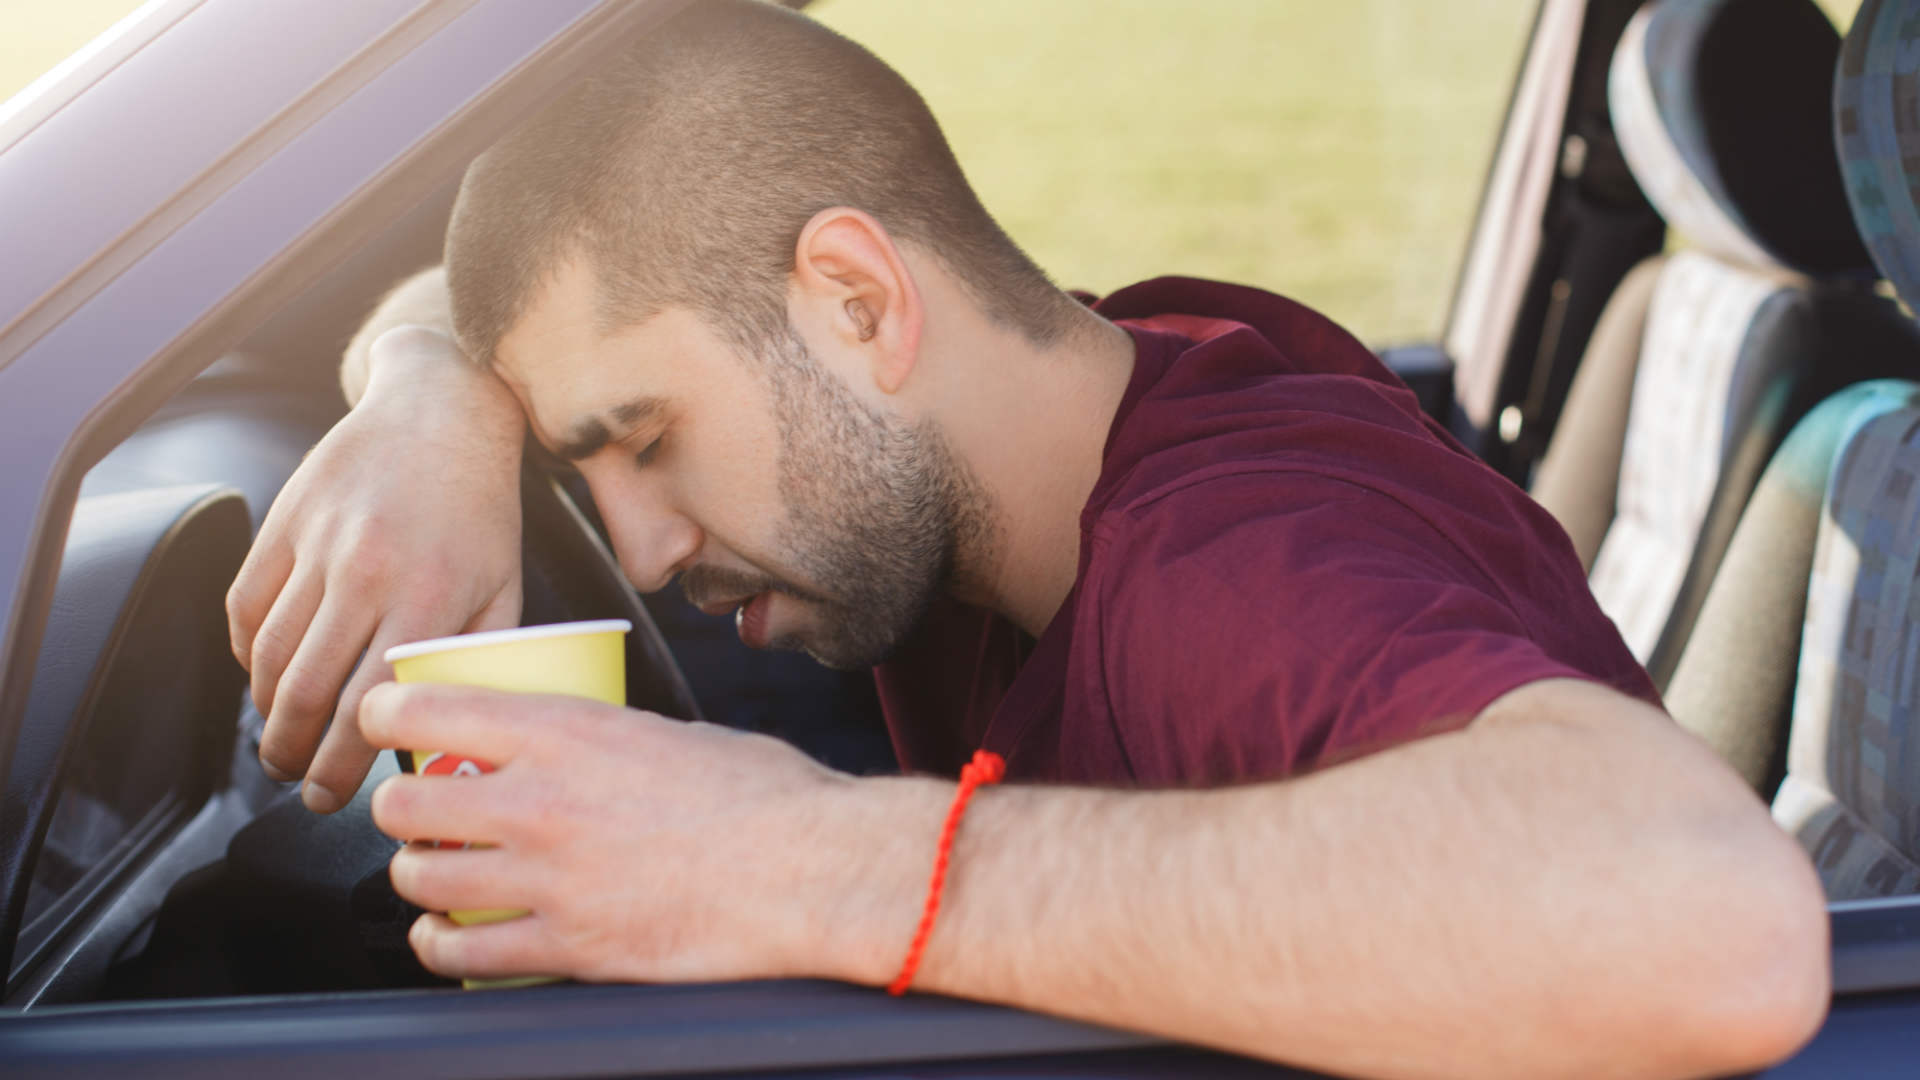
(878, 512)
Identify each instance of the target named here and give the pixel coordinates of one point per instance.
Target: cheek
(732, 468)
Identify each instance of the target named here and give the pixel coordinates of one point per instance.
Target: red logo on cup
(451, 765)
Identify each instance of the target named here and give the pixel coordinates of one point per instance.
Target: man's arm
(1570, 886)
(420, 300)
(402, 523)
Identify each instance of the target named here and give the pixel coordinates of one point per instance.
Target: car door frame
(1561, 222)
(155, 271)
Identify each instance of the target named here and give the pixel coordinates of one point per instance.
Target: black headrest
(1721, 108)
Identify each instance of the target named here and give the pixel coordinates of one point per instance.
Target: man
(1322, 752)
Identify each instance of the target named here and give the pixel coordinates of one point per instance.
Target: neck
(1030, 423)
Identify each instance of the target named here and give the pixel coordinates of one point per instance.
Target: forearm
(423, 363)
(421, 300)
(1450, 908)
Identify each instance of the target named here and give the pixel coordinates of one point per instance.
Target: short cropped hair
(685, 170)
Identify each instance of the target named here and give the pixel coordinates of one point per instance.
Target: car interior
(1720, 425)
(1705, 356)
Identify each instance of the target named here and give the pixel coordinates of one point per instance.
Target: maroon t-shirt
(1283, 564)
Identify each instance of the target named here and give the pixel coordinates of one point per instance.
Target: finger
(521, 946)
(450, 809)
(309, 688)
(261, 579)
(462, 879)
(278, 639)
(487, 725)
(501, 613)
(345, 755)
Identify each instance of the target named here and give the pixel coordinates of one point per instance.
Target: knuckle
(433, 591)
(542, 893)
(360, 572)
(303, 693)
(580, 723)
(533, 820)
(238, 602)
(373, 545)
(273, 648)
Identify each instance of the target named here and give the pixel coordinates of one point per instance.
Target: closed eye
(647, 453)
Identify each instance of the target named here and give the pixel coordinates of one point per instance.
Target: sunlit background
(1332, 150)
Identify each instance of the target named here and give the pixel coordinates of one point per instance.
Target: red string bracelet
(985, 768)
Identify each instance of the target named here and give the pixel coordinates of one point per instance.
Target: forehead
(570, 374)
(557, 324)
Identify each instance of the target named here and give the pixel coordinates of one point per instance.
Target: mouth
(724, 607)
(749, 616)
(750, 621)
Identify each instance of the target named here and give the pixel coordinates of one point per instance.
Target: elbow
(1717, 958)
(1796, 972)
(1768, 936)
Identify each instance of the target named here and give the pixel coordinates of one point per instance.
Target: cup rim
(501, 637)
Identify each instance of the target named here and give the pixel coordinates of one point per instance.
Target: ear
(852, 281)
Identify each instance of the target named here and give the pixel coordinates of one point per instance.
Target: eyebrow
(590, 434)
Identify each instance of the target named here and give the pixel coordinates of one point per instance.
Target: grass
(1332, 150)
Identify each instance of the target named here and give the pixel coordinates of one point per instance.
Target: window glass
(39, 35)
(1330, 151)
(1841, 12)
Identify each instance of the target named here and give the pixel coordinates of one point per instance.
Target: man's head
(685, 170)
(648, 262)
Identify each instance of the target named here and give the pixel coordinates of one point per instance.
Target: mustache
(706, 584)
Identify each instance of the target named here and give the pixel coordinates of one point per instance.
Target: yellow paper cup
(581, 659)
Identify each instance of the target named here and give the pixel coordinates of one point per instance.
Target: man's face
(825, 523)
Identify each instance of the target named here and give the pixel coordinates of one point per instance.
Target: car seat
(1815, 610)
(1705, 356)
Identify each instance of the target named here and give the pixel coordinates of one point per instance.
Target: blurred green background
(1329, 149)
(1333, 151)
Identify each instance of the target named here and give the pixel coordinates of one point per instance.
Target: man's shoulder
(1274, 525)
(1316, 487)
(1307, 339)
(1264, 446)
(1233, 380)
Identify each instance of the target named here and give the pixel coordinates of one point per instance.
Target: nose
(652, 540)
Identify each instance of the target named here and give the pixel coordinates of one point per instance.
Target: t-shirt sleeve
(1257, 626)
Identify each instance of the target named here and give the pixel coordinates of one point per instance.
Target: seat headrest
(1721, 110)
(1875, 103)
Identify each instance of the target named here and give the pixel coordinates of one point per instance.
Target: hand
(402, 524)
(644, 849)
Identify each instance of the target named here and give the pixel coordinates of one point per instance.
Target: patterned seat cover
(1853, 767)
(1852, 789)
(1734, 328)
(1694, 392)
